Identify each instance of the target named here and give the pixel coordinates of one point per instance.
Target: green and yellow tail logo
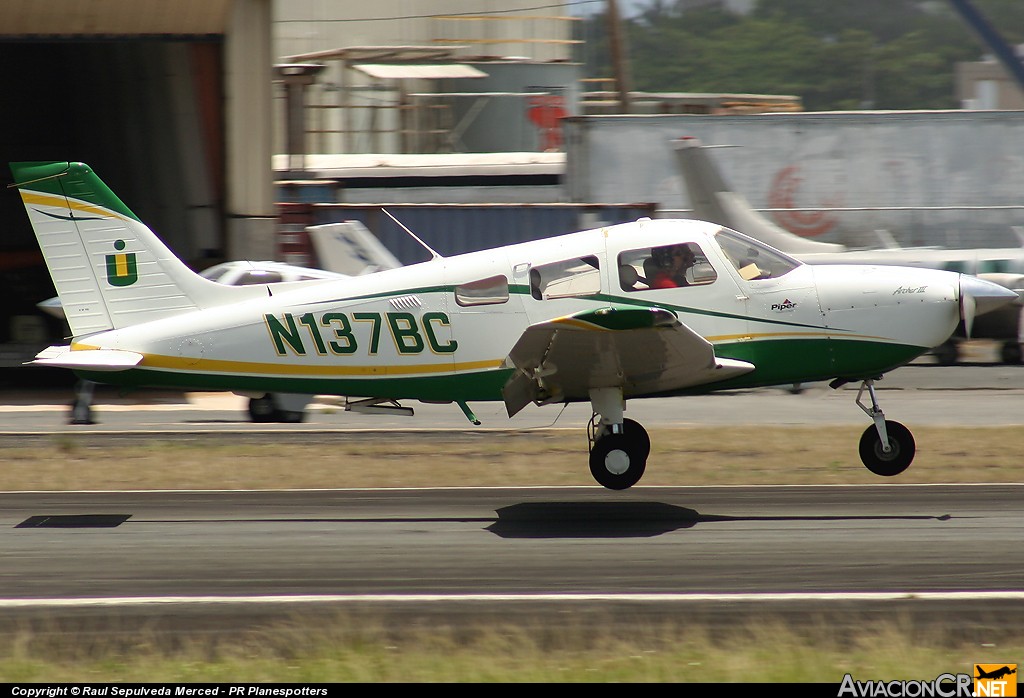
(122, 269)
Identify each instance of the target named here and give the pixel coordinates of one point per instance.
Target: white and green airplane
(582, 317)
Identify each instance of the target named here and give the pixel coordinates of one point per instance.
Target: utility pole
(988, 33)
(616, 43)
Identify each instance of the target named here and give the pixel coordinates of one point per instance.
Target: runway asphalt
(222, 561)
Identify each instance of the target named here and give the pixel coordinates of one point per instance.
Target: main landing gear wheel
(1011, 353)
(618, 461)
(618, 447)
(633, 430)
(265, 409)
(901, 449)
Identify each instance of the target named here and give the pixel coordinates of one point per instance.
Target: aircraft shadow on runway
(526, 520)
(629, 519)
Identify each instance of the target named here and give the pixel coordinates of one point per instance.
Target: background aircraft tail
(713, 201)
(349, 248)
(109, 269)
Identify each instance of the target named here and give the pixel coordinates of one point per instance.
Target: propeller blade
(968, 310)
(978, 297)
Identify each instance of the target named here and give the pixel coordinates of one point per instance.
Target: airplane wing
(88, 359)
(643, 350)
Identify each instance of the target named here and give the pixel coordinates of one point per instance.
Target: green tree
(884, 54)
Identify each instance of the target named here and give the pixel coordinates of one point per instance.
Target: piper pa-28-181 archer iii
(653, 308)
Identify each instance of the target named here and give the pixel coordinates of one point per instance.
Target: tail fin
(349, 248)
(109, 269)
(713, 201)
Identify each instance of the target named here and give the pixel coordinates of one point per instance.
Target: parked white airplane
(601, 315)
(713, 200)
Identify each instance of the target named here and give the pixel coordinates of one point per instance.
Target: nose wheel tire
(617, 461)
(901, 450)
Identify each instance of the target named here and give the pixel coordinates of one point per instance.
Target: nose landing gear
(887, 448)
(618, 447)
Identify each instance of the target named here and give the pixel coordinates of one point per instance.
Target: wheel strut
(875, 413)
(618, 447)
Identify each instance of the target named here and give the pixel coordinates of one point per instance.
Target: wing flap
(641, 350)
(91, 359)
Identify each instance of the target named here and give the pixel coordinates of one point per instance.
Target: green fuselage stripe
(598, 298)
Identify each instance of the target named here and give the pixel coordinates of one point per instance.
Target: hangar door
(145, 110)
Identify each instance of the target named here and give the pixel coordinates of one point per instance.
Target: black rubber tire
(290, 417)
(947, 353)
(263, 409)
(634, 430)
(1010, 353)
(618, 461)
(897, 460)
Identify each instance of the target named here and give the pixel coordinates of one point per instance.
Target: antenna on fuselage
(433, 254)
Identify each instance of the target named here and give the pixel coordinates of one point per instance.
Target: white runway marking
(491, 598)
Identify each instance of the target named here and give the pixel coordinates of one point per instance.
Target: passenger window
(489, 291)
(666, 266)
(580, 276)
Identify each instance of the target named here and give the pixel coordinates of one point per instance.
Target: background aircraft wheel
(617, 461)
(289, 417)
(897, 459)
(1010, 353)
(264, 409)
(947, 353)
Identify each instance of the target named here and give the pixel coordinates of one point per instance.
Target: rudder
(110, 270)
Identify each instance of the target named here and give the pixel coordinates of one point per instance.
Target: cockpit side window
(753, 260)
(666, 266)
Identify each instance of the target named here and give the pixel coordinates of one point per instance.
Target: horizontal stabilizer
(91, 359)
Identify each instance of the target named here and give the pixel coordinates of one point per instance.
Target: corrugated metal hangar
(170, 102)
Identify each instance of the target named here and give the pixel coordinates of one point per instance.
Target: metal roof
(344, 166)
(428, 71)
(377, 53)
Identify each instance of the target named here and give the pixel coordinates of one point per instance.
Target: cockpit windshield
(753, 260)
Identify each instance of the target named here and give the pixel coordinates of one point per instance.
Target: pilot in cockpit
(671, 263)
